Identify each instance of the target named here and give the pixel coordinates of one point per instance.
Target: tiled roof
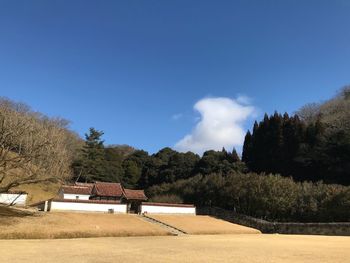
(135, 194)
(108, 189)
(77, 189)
(104, 189)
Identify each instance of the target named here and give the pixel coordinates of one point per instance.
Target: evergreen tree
(290, 147)
(133, 167)
(90, 166)
(247, 149)
(234, 156)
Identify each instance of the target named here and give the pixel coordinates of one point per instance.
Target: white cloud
(220, 125)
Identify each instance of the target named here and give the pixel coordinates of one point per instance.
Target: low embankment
(191, 224)
(332, 229)
(75, 225)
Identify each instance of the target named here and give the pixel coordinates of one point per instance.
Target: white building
(101, 206)
(76, 192)
(165, 208)
(95, 197)
(108, 198)
(18, 198)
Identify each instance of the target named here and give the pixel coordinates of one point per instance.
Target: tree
(218, 162)
(113, 160)
(33, 148)
(167, 166)
(314, 146)
(234, 156)
(90, 166)
(270, 197)
(179, 166)
(133, 166)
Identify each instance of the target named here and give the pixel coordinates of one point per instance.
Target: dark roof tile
(135, 194)
(108, 189)
(77, 189)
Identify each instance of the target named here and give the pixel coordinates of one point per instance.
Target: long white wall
(16, 199)
(74, 196)
(87, 207)
(157, 209)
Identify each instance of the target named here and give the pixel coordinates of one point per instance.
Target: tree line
(138, 169)
(270, 197)
(312, 145)
(291, 167)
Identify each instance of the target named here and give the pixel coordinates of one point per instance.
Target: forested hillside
(218, 178)
(314, 144)
(310, 148)
(137, 169)
(292, 167)
(33, 147)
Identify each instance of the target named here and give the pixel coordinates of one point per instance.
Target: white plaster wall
(88, 207)
(73, 196)
(18, 199)
(156, 209)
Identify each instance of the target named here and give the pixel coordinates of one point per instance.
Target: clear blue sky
(135, 69)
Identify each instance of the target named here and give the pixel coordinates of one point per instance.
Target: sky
(191, 75)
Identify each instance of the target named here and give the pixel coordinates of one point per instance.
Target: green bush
(270, 197)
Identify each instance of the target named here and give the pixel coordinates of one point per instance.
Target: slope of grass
(75, 225)
(203, 225)
(6, 211)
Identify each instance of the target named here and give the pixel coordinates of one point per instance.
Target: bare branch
(33, 148)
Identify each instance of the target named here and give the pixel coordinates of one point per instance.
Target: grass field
(203, 225)
(196, 248)
(74, 225)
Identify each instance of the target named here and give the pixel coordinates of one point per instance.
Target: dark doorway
(134, 207)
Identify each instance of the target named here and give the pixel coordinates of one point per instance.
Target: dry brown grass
(203, 225)
(194, 249)
(40, 192)
(11, 211)
(74, 225)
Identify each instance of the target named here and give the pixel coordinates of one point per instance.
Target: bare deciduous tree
(335, 113)
(33, 148)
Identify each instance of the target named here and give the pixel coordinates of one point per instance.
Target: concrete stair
(173, 230)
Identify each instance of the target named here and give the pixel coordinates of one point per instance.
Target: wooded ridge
(292, 167)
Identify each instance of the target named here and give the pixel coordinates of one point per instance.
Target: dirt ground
(203, 225)
(188, 248)
(75, 225)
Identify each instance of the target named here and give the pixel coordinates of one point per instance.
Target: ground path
(186, 248)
